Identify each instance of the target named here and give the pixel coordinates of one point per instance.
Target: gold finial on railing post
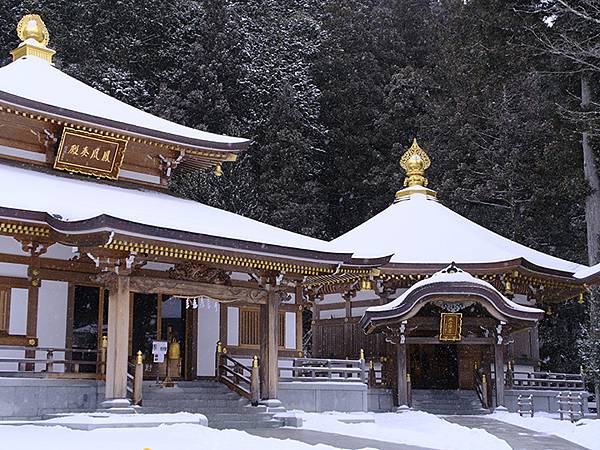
(362, 355)
(139, 359)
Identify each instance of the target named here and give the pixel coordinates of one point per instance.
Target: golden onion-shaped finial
(32, 26)
(415, 162)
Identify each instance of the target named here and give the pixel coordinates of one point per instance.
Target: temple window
(249, 328)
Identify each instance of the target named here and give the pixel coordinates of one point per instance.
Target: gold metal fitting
(580, 300)
(219, 347)
(408, 377)
(139, 359)
(104, 341)
(362, 355)
(255, 362)
(218, 170)
(371, 364)
(366, 284)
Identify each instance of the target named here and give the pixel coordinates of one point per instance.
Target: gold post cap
(255, 362)
(34, 36)
(139, 359)
(104, 341)
(415, 162)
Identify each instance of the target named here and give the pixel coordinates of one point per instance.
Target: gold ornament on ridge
(32, 26)
(415, 162)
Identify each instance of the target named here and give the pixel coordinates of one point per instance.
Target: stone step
(195, 396)
(238, 425)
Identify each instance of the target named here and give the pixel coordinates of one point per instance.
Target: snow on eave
(64, 96)
(457, 277)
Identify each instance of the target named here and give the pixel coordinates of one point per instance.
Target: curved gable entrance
(449, 330)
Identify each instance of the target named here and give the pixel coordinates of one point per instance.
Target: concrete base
(117, 406)
(380, 400)
(323, 396)
(87, 422)
(33, 398)
(542, 400)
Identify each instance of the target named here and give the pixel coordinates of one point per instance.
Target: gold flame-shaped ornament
(415, 162)
(34, 37)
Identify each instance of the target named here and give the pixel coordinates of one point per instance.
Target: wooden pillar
(402, 371)
(33, 293)
(118, 339)
(349, 344)
(499, 369)
(269, 347)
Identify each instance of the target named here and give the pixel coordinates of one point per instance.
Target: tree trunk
(592, 215)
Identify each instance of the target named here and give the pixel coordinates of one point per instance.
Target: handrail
(546, 381)
(320, 369)
(481, 387)
(27, 363)
(236, 376)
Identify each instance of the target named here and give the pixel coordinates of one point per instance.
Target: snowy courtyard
(409, 430)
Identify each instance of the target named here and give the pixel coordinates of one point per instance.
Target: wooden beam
(434, 340)
(184, 288)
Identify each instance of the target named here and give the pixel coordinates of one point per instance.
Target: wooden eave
(194, 149)
(168, 245)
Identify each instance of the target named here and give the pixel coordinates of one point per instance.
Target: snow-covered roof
(74, 200)
(36, 80)
(420, 230)
(451, 274)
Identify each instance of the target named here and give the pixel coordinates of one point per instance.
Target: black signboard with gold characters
(90, 153)
(450, 326)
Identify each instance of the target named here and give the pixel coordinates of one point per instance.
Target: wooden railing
(525, 405)
(482, 387)
(238, 377)
(135, 378)
(28, 365)
(544, 381)
(315, 369)
(570, 404)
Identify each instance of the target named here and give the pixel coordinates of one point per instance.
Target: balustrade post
(50, 361)
(372, 378)
(137, 379)
(103, 347)
(254, 382)
(361, 364)
(218, 353)
(484, 389)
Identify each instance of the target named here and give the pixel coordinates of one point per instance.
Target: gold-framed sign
(90, 153)
(450, 326)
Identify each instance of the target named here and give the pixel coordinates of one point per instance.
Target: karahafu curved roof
(417, 229)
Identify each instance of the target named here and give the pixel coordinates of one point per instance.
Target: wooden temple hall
(116, 293)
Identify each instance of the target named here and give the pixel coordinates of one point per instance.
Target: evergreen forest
(331, 92)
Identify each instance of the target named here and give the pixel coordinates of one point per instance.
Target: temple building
(112, 290)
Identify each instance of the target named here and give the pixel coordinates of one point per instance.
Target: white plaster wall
(16, 325)
(233, 326)
(52, 318)
(158, 266)
(358, 312)
(208, 336)
(18, 312)
(332, 314)
(11, 246)
(59, 251)
(290, 330)
(13, 270)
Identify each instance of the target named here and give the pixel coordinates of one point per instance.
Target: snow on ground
(163, 437)
(411, 427)
(585, 432)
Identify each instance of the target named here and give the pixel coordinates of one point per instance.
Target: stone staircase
(222, 407)
(446, 402)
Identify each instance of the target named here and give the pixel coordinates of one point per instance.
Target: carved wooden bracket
(199, 272)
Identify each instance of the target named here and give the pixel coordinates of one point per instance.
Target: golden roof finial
(34, 36)
(415, 162)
